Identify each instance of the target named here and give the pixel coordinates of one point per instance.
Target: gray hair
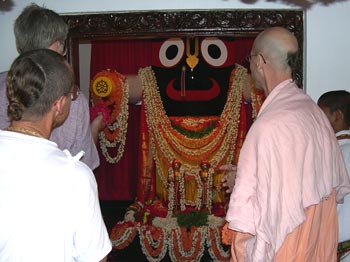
(37, 27)
(35, 81)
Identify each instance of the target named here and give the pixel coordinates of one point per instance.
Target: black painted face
(193, 74)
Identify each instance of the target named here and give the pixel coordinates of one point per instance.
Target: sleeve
(240, 214)
(91, 241)
(84, 139)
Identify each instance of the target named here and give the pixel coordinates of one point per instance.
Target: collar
(343, 134)
(275, 91)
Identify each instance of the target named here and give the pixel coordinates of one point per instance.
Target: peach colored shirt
(313, 240)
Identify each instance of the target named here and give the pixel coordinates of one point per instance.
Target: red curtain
(242, 47)
(118, 181)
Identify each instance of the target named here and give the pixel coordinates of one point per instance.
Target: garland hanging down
(180, 243)
(110, 95)
(184, 235)
(216, 147)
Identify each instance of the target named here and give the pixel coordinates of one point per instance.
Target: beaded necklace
(24, 131)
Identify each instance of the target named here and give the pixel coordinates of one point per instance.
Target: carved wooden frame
(152, 24)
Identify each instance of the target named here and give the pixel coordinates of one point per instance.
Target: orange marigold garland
(153, 242)
(110, 91)
(123, 234)
(215, 249)
(166, 236)
(187, 245)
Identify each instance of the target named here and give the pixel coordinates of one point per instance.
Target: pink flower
(100, 108)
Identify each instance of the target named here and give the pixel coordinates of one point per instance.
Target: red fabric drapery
(118, 181)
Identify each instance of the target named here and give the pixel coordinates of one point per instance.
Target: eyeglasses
(249, 58)
(75, 92)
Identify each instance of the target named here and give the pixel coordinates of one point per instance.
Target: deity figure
(193, 110)
(196, 107)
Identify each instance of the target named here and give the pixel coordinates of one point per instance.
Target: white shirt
(48, 204)
(344, 209)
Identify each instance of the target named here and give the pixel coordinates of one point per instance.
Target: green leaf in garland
(193, 218)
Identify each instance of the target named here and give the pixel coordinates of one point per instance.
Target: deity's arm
(135, 88)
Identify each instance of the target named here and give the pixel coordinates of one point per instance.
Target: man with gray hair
(48, 199)
(37, 27)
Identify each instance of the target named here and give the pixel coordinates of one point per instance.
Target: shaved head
(277, 45)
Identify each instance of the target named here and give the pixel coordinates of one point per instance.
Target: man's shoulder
(71, 165)
(3, 76)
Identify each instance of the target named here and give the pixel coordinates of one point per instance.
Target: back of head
(279, 46)
(35, 81)
(337, 100)
(37, 27)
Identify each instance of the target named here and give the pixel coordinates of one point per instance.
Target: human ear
(339, 116)
(55, 46)
(59, 104)
(259, 63)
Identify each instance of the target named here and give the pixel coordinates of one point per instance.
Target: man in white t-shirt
(48, 199)
(336, 106)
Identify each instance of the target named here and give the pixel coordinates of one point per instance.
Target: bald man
(290, 172)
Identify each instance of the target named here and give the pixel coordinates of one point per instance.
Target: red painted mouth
(193, 95)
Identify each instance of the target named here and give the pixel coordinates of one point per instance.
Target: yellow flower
(102, 86)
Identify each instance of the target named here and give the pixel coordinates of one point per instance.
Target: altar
(180, 202)
(164, 154)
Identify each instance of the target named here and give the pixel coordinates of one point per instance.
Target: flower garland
(182, 244)
(182, 190)
(188, 245)
(123, 233)
(215, 249)
(153, 243)
(171, 191)
(194, 127)
(167, 143)
(111, 89)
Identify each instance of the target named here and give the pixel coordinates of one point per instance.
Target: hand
(96, 126)
(98, 122)
(228, 180)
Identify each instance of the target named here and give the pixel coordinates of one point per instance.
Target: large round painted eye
(171, 52)
(214, 51)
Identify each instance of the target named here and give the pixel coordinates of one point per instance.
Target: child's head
(336, 106)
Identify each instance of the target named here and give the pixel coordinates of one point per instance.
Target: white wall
(327, 32)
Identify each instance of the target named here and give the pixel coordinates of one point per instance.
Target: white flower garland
(171, 191)
(209, 237)
(162, 151)
(121, 123)
(148, 238)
